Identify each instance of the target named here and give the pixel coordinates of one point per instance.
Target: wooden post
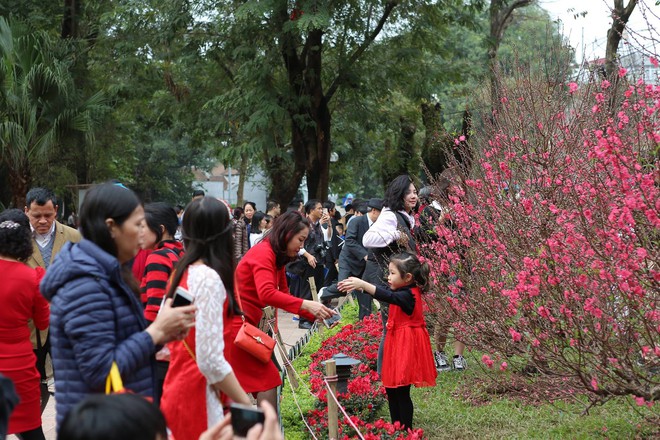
(312, 287)
(315, 297)
(333, 420)
(269, 316)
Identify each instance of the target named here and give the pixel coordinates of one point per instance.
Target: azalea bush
(550, 238)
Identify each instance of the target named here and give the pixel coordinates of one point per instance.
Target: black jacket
(353, 253)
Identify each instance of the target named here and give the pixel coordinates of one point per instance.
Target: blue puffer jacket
(95, 319)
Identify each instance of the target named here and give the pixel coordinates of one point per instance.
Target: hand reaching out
(353, 283)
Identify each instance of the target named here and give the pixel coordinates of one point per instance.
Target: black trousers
(401, 405)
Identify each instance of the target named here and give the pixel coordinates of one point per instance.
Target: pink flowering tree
(554, 236)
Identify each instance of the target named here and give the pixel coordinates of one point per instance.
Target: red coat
(260, 283)
(21, 301)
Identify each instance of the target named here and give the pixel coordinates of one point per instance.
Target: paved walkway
(290, 335)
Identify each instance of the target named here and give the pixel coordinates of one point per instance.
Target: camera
(321, 250)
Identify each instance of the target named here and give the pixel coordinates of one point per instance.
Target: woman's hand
(311, 260)
(317, 309)
(172, 323)
(270, 430)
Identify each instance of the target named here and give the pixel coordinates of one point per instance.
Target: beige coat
(62, 235)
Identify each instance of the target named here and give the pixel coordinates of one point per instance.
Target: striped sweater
(159, 266)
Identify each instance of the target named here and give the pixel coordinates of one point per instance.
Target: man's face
(316, 213)
(41, 217)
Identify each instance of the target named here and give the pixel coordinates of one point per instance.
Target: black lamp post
(344, 364)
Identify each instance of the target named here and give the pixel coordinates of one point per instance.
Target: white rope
(295, 399)
(350, 422)
(288, 362)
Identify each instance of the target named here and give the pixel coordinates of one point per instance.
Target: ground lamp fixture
(344, 364)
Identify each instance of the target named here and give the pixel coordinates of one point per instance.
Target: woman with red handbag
(260, 282)
(199, 374)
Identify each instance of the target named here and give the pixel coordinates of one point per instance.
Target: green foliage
(39, 102)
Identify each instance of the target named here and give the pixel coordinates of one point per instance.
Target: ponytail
(409, 263)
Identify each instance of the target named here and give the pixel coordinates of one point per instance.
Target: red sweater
(261, 283)
(159, 266)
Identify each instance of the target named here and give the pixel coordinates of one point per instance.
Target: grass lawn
(444, 414)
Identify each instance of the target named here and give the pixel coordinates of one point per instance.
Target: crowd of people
(102, 294)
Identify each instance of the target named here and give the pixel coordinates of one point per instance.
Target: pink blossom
(572, 88)
(640, 401)
(654, 61)
(487, 361)
(503, 366)
(622, 72)
(594, 384)
(517, 337)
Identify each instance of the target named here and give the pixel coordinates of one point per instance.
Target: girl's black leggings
(34, 434)
(401, 405)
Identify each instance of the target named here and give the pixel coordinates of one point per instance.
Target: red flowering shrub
(554, 235)
(378, 430)
(365, 394)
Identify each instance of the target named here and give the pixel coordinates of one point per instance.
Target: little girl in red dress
(407, 357)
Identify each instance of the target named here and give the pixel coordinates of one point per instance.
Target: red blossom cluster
(365, 394)
(554, 235)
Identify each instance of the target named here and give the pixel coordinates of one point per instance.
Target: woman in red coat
(261, 282)
(21, 301)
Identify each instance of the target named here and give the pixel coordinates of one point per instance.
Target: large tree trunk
(20, 180)
(620, 17)
(242, 177)
(501, 12)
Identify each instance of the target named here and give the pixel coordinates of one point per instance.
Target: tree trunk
(620, 17)
(70, 19)
(20, 180)
(501, 12)
(242, 177)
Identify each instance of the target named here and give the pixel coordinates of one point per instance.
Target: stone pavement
(290, 335)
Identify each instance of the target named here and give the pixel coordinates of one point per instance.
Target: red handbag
(253, 340)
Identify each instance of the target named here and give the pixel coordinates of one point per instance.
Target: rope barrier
(350, 422)
(302, 416)
(326, 380)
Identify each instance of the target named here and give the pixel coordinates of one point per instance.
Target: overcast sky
(587, 34)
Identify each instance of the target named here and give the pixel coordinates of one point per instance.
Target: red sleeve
(40, 307)
(264, 280)
(139, 263)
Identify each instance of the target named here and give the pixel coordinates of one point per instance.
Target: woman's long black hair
(396, 191)
(108, 200)
(256, 222)
(207, 236)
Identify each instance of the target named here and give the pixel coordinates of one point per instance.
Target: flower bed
(365, 394)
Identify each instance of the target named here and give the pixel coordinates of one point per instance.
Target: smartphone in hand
(332, 321)
(244, 417)
(181, 297)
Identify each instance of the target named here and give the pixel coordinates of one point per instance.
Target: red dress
(21, 301)
(260, 283)
(407, 354)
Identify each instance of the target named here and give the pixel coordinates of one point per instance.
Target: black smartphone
(332, 321)
(244, 417)
(181, 297)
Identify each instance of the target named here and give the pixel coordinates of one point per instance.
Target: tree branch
(389, 7)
